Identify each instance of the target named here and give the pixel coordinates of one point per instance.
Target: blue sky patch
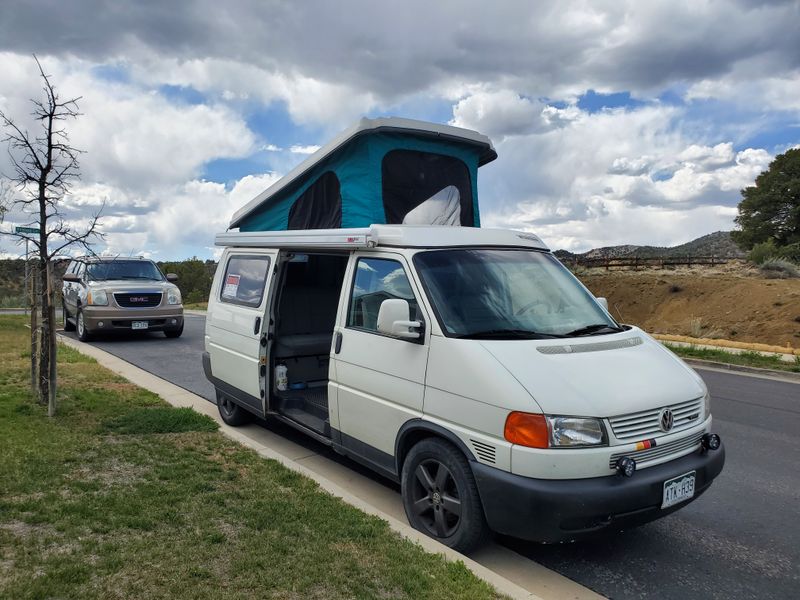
(593, 102)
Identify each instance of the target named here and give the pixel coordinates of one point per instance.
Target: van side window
(244, 280)
(376, 280)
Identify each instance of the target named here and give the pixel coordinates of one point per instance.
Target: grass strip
(747, 358)
(123, 496)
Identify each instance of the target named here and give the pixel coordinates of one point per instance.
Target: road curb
(178, 396)
(771, 373)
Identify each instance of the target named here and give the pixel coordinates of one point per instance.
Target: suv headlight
(570, 432)
(97, 298)
(174, 296)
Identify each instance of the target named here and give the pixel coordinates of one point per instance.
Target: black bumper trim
(550, 510)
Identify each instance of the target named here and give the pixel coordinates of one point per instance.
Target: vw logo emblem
(666, 420)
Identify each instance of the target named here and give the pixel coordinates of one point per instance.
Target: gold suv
(120, 294)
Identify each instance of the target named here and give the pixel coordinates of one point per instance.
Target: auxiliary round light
(100, 324)
(626, 466)
(711, 441)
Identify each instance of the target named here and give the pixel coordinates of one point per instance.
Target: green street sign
(27, 230)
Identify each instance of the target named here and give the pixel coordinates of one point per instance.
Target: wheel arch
(416, 430)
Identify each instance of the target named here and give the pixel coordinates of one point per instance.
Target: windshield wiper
(594, 329)
(138, 277)
(489, 334)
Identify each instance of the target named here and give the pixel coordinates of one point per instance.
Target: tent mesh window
(319, 207)
(423, 188)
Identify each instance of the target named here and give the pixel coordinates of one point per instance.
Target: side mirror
(71, 277)
(603, 302)
(394, 319)
(172, 277)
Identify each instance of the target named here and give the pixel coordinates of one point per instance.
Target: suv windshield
(508, 294)
(123, 269)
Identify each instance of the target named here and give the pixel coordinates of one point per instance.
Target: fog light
(626, 466)
(174, 321)
(711, 441)
(99, 323)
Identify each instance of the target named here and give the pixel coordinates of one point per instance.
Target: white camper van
(469, 365)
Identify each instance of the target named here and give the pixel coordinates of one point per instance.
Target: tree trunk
(44, 342)
(52, 347)
(34, 300)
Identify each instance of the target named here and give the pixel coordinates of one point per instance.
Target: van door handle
(257, 326)
(338, 346)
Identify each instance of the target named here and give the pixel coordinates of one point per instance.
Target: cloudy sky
(615, 122)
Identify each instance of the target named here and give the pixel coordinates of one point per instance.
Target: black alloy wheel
(440, 496)
(232, 414)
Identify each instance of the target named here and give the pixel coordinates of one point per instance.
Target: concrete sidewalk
(509, 572)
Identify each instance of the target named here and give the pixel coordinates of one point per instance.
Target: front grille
(646, 423)
(645, 456)
(147, 300)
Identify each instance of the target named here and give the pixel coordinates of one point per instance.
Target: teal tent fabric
(358, 167)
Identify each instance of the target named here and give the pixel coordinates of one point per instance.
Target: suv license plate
(678, 489)
(139, 325)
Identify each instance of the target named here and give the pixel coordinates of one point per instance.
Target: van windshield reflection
(508, 294)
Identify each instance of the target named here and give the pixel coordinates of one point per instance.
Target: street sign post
(32, 230)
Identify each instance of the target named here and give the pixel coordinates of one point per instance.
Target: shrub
(790, 252)
(778, 268)
(763, 251)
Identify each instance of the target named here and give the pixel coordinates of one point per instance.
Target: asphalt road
(741, 539)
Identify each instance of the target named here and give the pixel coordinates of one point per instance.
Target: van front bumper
(558, 510)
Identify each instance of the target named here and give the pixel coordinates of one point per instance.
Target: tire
(174, 333)
(440, 495)
(233, 414)
(68, 325)
(80, 325)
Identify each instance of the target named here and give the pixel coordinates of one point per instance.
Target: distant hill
(714, 244)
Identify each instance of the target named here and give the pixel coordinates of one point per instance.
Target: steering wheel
(527, 307)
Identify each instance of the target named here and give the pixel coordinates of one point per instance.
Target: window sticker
(231, 289)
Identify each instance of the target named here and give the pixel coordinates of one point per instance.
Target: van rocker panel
(552, 511)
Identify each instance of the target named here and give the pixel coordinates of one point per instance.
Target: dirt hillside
(732, 302)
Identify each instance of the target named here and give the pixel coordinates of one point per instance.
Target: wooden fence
(658, 262)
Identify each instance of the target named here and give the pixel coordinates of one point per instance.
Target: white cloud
(297, 149)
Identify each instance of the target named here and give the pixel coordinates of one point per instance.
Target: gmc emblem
(138, 299)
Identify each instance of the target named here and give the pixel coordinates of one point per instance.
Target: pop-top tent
(385, 170)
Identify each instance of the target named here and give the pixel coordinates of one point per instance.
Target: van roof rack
(377, 236)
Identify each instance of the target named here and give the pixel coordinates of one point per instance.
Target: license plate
(139, 325)
(678, 489)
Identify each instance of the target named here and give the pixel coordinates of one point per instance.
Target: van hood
(598, 376)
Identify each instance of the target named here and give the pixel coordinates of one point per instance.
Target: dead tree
(45, 165)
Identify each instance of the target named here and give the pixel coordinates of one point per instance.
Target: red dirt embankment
(712, 303)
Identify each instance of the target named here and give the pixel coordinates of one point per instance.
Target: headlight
(97, 298)
(568, 432)
(174, 296)
(707, 405)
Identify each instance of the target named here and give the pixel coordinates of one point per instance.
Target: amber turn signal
(527, 429)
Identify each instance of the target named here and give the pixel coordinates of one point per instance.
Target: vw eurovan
(469, 365)
(361, 302)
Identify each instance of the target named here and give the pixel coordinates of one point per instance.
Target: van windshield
(508, 294)
(123, 269)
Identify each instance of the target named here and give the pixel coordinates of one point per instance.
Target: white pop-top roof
(363, 126)
(377, 236)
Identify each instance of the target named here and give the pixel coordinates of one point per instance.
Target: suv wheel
(440, 496)
(233, 414)
(83, 334)
(68, 325)
(174, 333)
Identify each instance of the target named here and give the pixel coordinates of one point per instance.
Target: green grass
(196, 305)
(749, 359)
(122, 496)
